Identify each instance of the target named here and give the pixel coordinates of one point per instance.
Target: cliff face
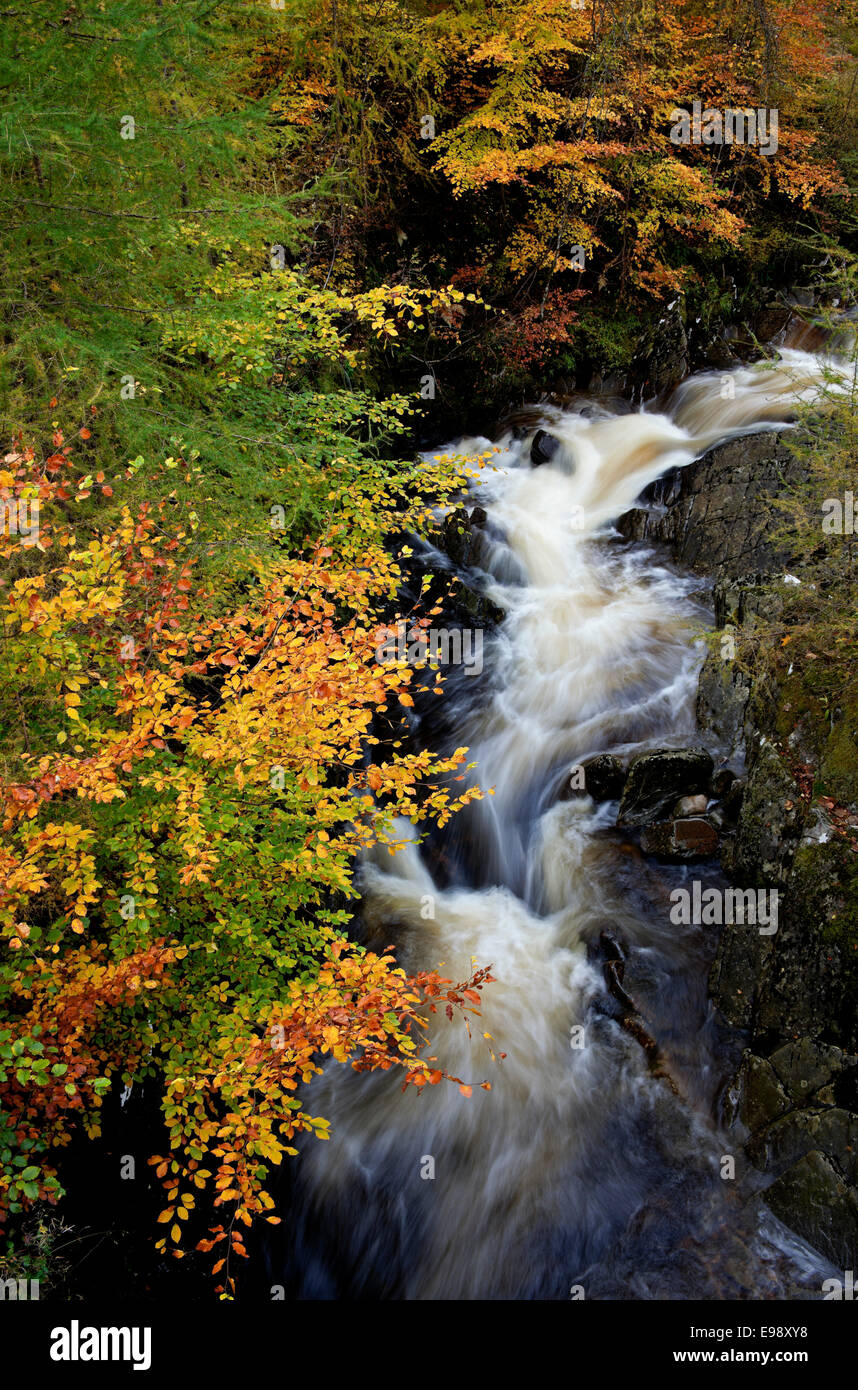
(794, 1101)
(716, 514)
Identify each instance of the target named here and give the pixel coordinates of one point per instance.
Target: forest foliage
(238, 239)
(523, 150)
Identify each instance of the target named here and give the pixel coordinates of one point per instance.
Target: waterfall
(579, 1169)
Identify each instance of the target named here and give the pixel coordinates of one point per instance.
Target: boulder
(814, 985)
(723, 692)
(721, 782)
(604, 777)
(458, 540)
(741, 965)
(771, 320)
(681, 840)
(656, 779)
(762, 1098)
(543, 448)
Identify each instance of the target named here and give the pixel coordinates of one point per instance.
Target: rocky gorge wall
(793, 1104)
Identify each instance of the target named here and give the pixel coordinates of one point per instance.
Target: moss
(818, 700)
(838, 771)
(802, 704)
(824, 888)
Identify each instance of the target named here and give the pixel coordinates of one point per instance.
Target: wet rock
(681, 840)
(801, 982)
(457, 538)
(461, 538)
(814, 1200)
(718, 354)
(723, 693)
(728, 690)
(600, 777)
(629, 1014)
(813, 990)
(770, 822)
(691, 805)
(716, 514)
(771, 321)
(740, 969)
(806, 1066)
(833, 1132)
(543, 448)
(805, 1134)
(721, 782)
(604, 776)
(662, 360)
(639, 523)
(734, 798)
(762, 1097)
(656, 779)
(725, 813)
(794, 991)
(747, 602)
(472, 605)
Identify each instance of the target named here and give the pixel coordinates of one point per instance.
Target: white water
(537, 1180)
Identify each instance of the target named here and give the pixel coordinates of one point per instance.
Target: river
(581, 1173)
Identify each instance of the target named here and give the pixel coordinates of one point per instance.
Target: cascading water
(580, 1169)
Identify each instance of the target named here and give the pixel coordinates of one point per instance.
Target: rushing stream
(580, 1173)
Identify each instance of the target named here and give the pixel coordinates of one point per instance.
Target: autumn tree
(198, 486)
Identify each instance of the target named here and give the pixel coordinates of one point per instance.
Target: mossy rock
(838, 770)
(812, 989)
(770, 824)
(814, 1200)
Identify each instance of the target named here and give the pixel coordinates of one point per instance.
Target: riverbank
(793, 1103)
